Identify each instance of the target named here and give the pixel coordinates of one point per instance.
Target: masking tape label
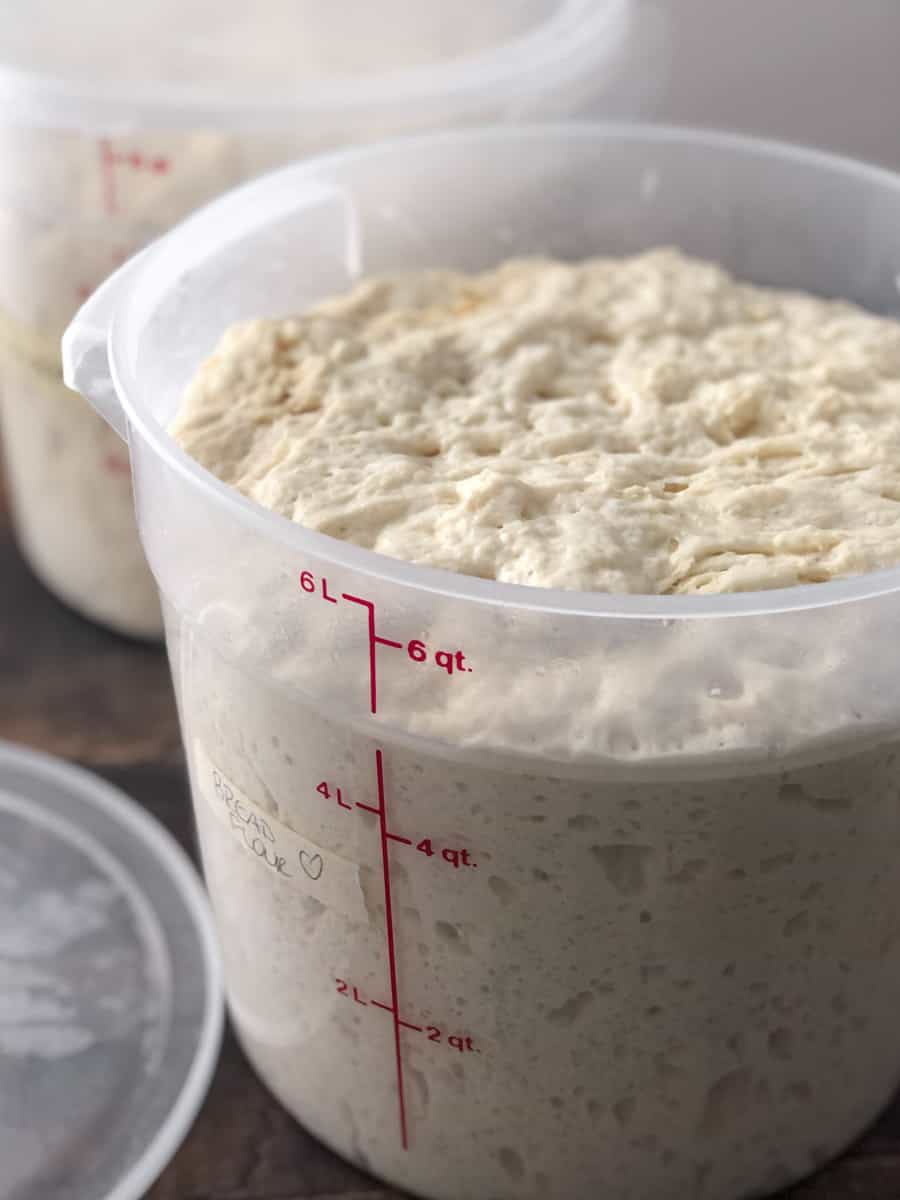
(300, 863)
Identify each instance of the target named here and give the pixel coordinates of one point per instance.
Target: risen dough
(642, 425)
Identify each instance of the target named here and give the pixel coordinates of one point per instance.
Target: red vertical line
(108, 162)
(392, 949)
(370, 608)
(373, 691)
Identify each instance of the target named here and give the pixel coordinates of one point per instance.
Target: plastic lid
(264, 64)
(111, 1003)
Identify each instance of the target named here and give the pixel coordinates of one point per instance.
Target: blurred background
(817, 71)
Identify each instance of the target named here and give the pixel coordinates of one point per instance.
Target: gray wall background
(824, 72)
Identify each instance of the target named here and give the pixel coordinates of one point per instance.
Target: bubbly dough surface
(639, 425)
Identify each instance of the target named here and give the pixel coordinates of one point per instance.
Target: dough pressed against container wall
(724, 948)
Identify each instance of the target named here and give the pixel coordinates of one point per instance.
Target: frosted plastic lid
(110, 995)
(216, 62)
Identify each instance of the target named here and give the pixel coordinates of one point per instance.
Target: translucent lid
(178, 62)
(110, 997)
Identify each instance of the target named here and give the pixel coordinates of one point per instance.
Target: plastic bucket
(526, 892)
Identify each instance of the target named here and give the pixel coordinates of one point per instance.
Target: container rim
(558, 50)
(450, 585)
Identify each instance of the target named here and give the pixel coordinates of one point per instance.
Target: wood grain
(74, 690)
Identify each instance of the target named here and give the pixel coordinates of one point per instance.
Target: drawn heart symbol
(311, 863)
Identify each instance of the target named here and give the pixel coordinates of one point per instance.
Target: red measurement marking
(107, 166)
(447, 660)
(134, 160)
(460, 1042)
(370, 609)
(450, 662)
(324, 790)
(455, 856)
(115, 464)
(326, 595)
(389, 922)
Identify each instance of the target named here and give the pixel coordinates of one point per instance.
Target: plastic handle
(85, 347)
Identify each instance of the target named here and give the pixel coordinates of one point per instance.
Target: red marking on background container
(115, 464)
(107, 171)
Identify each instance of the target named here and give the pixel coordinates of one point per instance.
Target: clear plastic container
(119, 120)
(526, 893)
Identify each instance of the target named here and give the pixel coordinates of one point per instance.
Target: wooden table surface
(71, 689)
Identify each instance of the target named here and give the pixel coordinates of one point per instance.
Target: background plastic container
(118, 120)
(526, 893)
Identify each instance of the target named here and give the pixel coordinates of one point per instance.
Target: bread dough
(70, 486)
(645, 425)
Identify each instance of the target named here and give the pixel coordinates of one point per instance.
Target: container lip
(559, 50)
(449, 584)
